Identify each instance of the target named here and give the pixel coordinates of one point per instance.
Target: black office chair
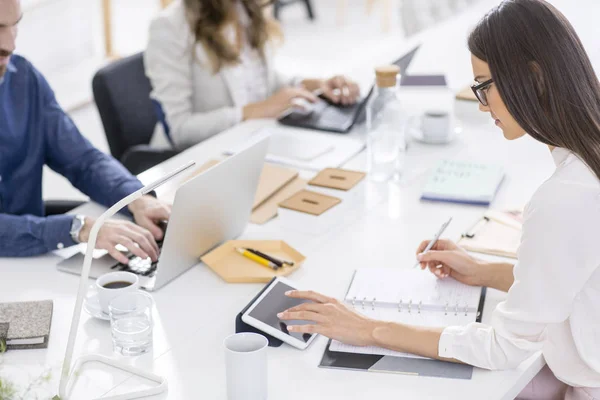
(279, 4)
(59, 207)
(122, 95)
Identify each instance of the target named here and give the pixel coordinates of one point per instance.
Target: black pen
(283, 262)
(275, 261)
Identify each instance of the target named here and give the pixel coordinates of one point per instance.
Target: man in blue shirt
(35, 131)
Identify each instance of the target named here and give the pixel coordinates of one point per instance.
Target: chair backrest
(122, 95)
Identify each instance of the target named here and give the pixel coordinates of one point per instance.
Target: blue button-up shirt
(34, 131)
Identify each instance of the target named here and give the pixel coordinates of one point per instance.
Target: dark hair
(208, 17)
(543, 75)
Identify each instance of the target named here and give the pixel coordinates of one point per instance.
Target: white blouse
(252, 64)
(554, 303)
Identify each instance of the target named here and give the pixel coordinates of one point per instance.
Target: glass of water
(131, 323)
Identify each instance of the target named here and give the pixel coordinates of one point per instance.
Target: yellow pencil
(256, 258)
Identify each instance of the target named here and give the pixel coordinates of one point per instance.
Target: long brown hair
(543, 75)
(207, 18)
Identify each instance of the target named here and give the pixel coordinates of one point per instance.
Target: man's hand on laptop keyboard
(136, 239)
(148, 213)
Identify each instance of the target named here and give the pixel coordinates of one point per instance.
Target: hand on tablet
(331, 318)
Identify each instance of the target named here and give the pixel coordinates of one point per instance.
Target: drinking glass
(131, 323)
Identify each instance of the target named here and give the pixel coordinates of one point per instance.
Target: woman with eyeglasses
(534, 78)
(210, 63)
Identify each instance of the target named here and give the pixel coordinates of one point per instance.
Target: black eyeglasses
(480, 91)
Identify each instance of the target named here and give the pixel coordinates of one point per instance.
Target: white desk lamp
(67, 372)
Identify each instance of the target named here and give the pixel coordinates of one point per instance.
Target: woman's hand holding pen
(447, 259)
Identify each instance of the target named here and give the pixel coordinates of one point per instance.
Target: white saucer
(417, 134)
(92, 305)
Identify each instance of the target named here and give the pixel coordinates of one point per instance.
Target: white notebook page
(399, 288)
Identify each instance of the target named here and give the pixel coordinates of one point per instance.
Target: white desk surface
(194, 313)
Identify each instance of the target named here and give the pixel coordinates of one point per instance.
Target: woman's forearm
(498, 276)
(408, 339)
(425, 341)
(312, 84)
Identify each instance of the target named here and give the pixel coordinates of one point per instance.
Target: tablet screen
(275, 302)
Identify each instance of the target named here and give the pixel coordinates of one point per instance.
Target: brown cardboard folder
(275, 185)
(268, 209)
(272, 179)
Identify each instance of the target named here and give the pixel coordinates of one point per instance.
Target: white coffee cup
(437, 126)
(106, 294)
(246, 366)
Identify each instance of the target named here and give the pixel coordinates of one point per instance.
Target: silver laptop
(208, 210)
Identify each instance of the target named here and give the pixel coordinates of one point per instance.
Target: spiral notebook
(463, 182)
(409, 296)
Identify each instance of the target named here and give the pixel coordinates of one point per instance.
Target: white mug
(105, 295)
(436, 126)
(246, 366)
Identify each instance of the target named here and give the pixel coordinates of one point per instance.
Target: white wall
(65, 40)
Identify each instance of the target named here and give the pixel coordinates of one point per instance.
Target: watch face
(76, 226)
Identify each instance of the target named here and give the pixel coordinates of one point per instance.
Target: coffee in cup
(114, 284)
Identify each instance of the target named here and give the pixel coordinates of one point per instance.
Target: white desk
(196, 312)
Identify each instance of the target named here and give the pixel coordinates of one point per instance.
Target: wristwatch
(76, 227)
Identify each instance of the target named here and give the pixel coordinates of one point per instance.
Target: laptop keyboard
(141, 266)
(339, 117)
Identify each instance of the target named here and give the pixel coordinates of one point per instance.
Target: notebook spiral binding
(409, 305)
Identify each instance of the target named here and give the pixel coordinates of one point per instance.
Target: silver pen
(435, 239)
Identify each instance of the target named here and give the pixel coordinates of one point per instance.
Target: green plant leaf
(2, 345)
(56, 397)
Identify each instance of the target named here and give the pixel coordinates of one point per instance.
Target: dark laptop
(334, 118)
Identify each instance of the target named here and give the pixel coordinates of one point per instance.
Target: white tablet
(263, 314)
